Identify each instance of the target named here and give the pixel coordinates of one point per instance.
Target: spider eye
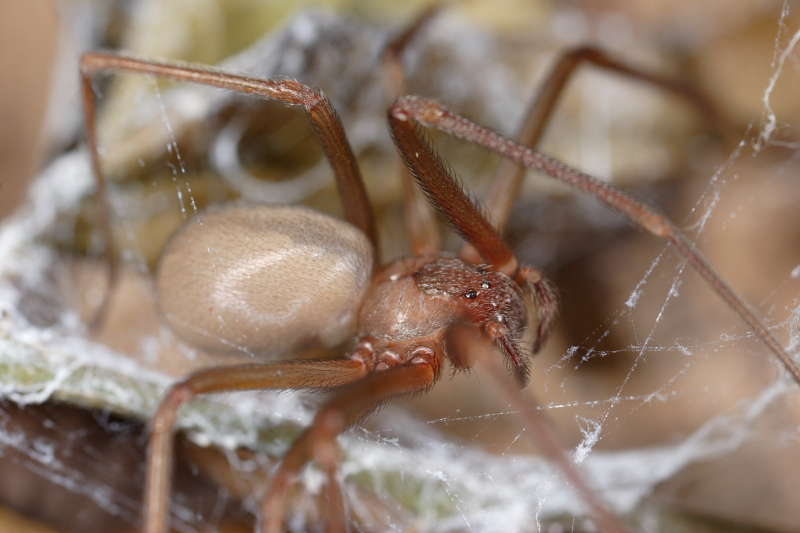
(486, 285)
(471, 295)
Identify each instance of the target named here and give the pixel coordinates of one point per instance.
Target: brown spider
(275, 279)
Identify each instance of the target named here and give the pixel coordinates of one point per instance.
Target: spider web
(703, 390)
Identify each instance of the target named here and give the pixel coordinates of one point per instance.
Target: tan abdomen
(263, 279)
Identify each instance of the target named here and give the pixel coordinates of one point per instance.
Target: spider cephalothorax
(420, 302)
(485, 298)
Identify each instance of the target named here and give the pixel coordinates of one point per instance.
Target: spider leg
(444, 191)
(545, 297)
(346, 408)
(334, 518)
(279, 375)
(410, 111)
(421, 225)
(324, 120)
(504, 187)
(392, 57)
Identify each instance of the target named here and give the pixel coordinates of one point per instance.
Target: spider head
(490, 300)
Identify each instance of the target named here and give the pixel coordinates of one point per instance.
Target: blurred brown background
(28, 36)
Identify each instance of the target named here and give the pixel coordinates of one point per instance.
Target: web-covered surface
(709, 388)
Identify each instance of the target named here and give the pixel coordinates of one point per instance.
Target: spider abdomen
(267, 280)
